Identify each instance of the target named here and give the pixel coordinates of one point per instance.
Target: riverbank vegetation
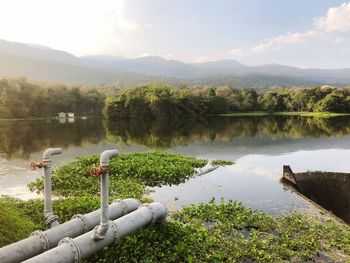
(20, 99)
(158, 101)
(284, 113)
(213, 232)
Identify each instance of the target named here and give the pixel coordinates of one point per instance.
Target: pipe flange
(82, 218)
(74, 247)
(116, 232)
(50, 219)
(43, 238)
(154, 216)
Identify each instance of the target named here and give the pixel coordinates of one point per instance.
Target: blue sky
(312, 33)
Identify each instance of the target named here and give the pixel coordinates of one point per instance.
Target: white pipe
(74, 250)
(101, 230)
(40, 241)
(51, 219)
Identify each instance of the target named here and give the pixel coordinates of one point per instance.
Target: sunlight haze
(298, 33)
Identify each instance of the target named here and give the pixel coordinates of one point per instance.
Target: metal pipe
(100, 231)
(40, 241)
(51, 219)
(82, 247)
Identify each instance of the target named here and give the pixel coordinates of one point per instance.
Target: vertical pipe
(51, 219)
(100, 231)
(104, 202)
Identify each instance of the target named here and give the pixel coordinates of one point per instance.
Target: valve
(96, 171)
(35, 165)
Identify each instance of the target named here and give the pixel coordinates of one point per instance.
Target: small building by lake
(63, 115)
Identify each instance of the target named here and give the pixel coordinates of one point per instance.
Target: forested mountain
(42, 63)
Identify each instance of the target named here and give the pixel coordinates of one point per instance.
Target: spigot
(96, 171)
(46, 162)
(38, 165)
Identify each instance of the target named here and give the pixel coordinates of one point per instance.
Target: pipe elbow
(51, 151)
(106, 156)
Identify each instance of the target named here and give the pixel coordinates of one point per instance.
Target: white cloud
(337, 19)
(202, 59)
(277, 43)
(166, 56)
(79, 26)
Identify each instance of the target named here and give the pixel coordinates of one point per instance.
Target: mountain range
(41, 63)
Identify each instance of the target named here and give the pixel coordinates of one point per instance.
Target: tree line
(21, 99)
(159, 101)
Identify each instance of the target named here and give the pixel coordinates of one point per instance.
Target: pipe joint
(51, 151)
(73, 246)
(51, 220)
(100, 231)
(106, 156)
(117, 236)
(83, 219)
(43, 239)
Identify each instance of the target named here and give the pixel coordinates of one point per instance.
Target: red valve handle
(96, 171)
(35, 165)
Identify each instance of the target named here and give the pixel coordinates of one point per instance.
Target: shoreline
(284, 113)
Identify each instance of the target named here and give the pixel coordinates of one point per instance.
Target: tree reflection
(166, 134)
(18, 139)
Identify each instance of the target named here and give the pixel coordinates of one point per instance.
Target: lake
(260, 146)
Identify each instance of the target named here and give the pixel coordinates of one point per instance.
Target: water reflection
(260, 146)
(162, 135)
(21, 138)
(18, 139)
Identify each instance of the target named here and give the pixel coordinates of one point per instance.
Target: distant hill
(37, 62)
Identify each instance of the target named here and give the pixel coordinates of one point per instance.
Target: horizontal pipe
(40, 241)
(74, 250)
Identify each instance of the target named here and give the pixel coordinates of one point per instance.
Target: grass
(284, 113)
(221, 162)
(212, 232)
(14, 225)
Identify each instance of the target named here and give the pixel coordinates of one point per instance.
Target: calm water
(259, 146)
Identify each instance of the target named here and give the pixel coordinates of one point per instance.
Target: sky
(303, 33)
